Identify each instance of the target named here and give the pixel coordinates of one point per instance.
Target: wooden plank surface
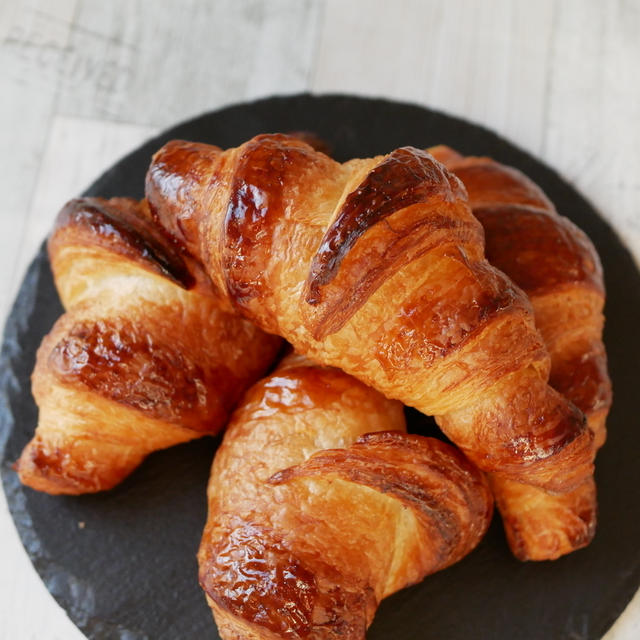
(84, 81)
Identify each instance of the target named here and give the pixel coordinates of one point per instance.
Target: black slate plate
(122, 563)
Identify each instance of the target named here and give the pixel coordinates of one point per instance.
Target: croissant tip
(43, 470)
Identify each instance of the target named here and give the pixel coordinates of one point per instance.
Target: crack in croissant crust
(402, 180)
(143, 358)
(557, 266)
(122, 227)
(388, 283)
(316, 513)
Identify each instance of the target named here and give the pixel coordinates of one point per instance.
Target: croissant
(320, 505)
(555, 263)
(143, 358)
(377, 266)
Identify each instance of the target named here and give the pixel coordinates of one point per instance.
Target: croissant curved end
(56, 472)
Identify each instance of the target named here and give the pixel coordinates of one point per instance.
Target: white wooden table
(84, 81)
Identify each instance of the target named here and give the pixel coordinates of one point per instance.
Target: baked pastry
(377, 266)
(143, 358)
(320, 505)
(555, 263)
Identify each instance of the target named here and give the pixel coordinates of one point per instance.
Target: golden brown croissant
(377, 266)
(317, 511)
(557, 266)
(142, 359)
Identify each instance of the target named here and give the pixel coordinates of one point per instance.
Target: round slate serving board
(122, 563)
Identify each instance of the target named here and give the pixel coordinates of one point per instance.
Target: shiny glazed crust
(320, 505)
(557, 266)
(377, 266)
(142, 359)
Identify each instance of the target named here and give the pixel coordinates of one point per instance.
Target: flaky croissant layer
(376, 266)
(317, 511)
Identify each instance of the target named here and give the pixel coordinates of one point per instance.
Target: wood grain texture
(84, 81)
